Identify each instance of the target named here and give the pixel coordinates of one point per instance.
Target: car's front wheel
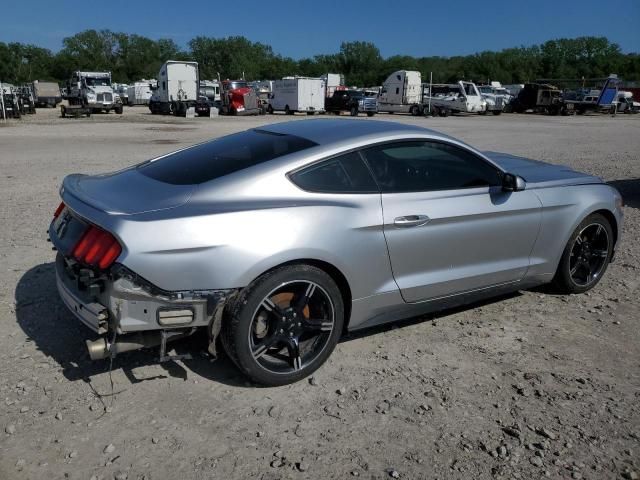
(586, 255)
(284, 325)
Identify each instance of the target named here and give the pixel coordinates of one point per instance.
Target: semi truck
(93, 91)
(496, 96)
(401, 92)
(177, 90)
(47, 94)
(299, 94)
(238, 98)
(540, 98)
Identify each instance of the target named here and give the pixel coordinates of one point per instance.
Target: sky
(306, 28)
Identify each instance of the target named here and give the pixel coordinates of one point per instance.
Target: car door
(449, 226)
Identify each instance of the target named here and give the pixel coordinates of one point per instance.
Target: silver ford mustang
(278, 239)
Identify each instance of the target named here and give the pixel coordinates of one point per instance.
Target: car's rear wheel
(586, 256)
(284, 325)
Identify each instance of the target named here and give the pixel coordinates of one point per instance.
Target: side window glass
(428, 166)
(344, 174)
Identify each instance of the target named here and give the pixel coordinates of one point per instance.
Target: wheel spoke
(599, 231)
(600, 253)
(271, 307)
(322, 325)
(264, 346)
(293, 348)
(304, 300)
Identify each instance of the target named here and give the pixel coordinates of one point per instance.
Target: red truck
(238, 98)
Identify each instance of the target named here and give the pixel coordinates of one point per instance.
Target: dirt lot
(527, 386)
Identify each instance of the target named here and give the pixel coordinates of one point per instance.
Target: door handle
(411, 221)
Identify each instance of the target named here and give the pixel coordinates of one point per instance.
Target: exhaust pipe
(100, 349)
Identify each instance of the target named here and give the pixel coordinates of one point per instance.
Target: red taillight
(58, 210)
(97, 247)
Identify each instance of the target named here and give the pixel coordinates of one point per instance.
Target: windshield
(97, 82)
(234, 85)
(485, 89)
(223, 156)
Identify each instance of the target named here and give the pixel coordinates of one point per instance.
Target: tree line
(132, 57)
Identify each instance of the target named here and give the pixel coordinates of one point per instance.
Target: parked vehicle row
(179, 90)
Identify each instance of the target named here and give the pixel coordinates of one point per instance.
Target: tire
(354, 111)
(444, 112)
(414, 111)
(370, 114)
(287, 110)
(497, 112)
(566, 279)
(118, 110)
(63, 111)
(248, 316)
(270, 110)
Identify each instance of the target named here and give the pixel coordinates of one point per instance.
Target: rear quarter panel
(201, 249)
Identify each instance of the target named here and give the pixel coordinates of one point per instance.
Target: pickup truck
(352, 101)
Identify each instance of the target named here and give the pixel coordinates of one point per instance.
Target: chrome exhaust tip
(98, 349)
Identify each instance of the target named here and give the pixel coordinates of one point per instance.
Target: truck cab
(93, 90)
(238, 98)
(401, 92)
(352, 101)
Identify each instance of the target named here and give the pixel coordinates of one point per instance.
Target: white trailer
(333, 81)
(299, 94)
(401, 93)
(47, 93)
(140, 92)
(178, 88)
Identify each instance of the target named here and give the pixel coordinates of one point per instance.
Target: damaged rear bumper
(120, 301)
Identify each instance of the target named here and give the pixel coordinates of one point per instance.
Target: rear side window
(223, 156)
(344, 174)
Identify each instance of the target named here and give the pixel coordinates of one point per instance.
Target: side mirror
(513, 183)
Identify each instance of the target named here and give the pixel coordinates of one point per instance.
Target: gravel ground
(526, 386)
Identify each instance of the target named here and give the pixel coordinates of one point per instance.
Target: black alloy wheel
(284, 325)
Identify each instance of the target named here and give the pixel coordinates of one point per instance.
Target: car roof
(329, 131)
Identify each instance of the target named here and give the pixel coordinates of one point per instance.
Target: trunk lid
(127, 192)
(535, 171)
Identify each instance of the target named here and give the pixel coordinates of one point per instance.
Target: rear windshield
(223, 156)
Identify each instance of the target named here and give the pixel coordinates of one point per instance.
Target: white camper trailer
(140, 92)
(401, 93)
(299, 94)
(178, 86)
